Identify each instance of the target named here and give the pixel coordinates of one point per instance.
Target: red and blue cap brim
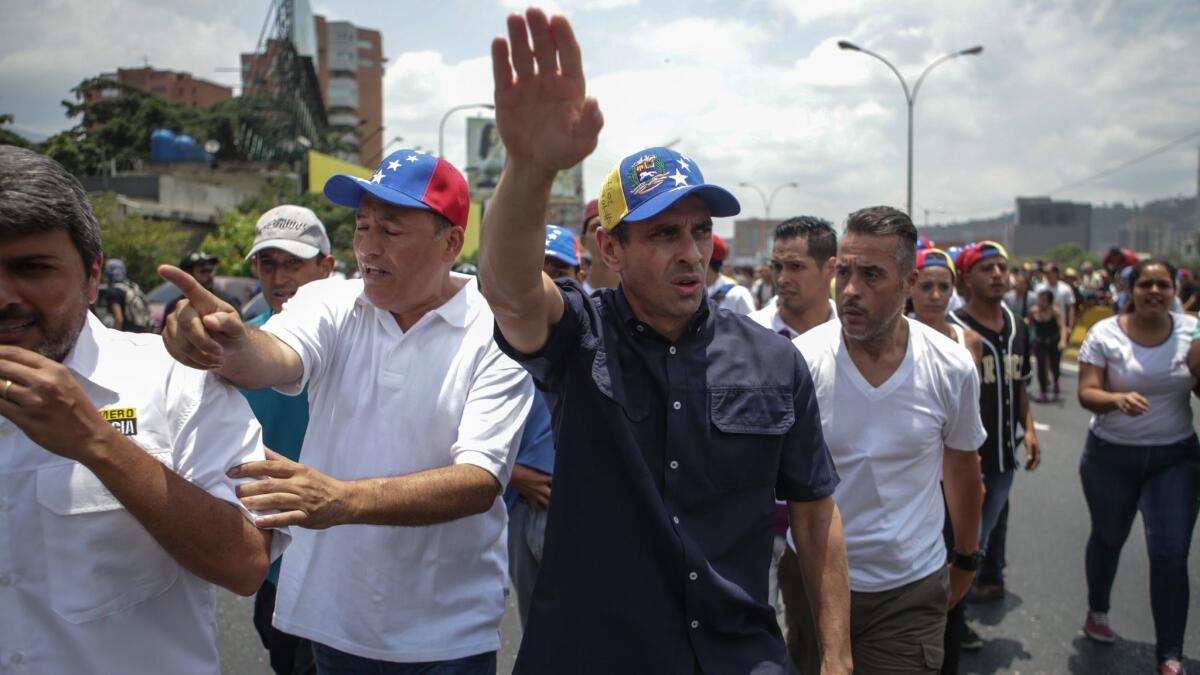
(427, 183)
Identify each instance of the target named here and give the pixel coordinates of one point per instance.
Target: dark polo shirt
(670, 456)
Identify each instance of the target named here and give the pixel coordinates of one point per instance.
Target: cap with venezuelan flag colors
(408, 178)
(649, 181)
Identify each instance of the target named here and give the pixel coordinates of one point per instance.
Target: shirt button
(693, 576)
(377, 597)
(16, 658)
(677, 405)
(671, 349)
(5, 580)
(641, 328)
(675, 519)
(695, 624)
(674, 464)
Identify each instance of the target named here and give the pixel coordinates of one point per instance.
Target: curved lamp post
(442, 124)
(910, 96)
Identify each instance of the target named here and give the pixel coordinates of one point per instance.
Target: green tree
(9, 137)
(1069, 255)
(231, 241)
(140, 243)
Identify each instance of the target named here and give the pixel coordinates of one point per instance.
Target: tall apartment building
(177, 87)
(349, 68)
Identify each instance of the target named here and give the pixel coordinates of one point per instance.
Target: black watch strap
(969, 562)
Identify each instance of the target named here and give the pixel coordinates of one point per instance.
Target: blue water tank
(161, 145)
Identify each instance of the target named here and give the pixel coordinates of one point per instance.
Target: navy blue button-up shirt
(670, 455)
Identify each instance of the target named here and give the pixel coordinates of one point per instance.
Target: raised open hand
(543, 113)
(202, 327)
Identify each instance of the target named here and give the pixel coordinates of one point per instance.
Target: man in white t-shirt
(415, 417)
(725, 291)
(922, 394)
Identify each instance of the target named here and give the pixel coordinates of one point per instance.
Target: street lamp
(442, 125)
(910, 96)
(768, 201)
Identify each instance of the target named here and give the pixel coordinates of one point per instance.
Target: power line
(1128, 163)
(1082, 181)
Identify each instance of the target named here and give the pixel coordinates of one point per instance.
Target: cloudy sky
(756, 91)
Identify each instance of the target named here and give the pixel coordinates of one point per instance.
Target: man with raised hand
(117, 517)
(399, 560)
(921, 390)
(676, 423)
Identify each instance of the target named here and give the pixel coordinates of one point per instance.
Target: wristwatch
(970, 562)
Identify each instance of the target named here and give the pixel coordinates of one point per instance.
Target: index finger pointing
(198, 296)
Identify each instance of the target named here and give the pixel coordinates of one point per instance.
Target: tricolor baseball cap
(293, 229)
(650, 181)
(935, 257)
(977, 252)
(409, 178)
(560, 244)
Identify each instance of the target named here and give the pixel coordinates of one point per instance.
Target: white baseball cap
(294, 229)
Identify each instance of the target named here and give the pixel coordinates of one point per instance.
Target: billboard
(485, 161)
(304, 29)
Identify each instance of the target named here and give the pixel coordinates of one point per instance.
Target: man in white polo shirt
(415, 417)
(921, 391)
(116, 513)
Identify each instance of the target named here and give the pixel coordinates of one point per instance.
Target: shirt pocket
(99, 558)
(747, 437)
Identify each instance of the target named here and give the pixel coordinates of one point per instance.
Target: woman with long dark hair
(1049, 339)
(1141, 453)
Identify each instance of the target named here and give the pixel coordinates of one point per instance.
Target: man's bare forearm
(425, 498)
(261, 362)
(964, 496)
(207, 536)
(821, 549)
(512, 241)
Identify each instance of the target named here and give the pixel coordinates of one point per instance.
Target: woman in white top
(931, 296)
(1141, 453)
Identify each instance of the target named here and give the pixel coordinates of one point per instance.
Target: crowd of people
(656, 459)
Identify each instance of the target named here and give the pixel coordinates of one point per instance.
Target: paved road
(1035, 630)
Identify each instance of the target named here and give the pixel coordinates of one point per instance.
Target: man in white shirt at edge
(725, 291)
(415, 420)
(922, 391)
(117, 514)
(802, 261)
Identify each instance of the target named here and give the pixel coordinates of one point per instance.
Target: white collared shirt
(890, 460)
(768, 317)
(84, 588)
(387, 402)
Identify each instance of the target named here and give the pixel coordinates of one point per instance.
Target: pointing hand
(203, 327)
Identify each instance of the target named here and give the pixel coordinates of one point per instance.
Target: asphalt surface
(1036, 629)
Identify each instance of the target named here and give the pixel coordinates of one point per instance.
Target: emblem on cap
(647, 173)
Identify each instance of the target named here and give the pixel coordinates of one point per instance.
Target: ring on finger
(7, 386)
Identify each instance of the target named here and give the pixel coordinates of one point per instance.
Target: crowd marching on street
(664, 459)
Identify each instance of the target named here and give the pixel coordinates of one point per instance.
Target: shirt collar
(84, 357)
(458, 311)
(627, 317)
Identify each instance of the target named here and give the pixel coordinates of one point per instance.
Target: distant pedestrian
(724, 290)
(1141, 454)
(1049, 339)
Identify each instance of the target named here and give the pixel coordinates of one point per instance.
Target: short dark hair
(1140, 269)
(818, 233)
(440, 224)
(886, 221)
(620, 232)
(38, 195)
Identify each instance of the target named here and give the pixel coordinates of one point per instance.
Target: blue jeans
(526, 536)
(331, 661)
(993, 525)
(1163, 482)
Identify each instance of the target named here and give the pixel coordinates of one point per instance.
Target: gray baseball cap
(294, 229)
